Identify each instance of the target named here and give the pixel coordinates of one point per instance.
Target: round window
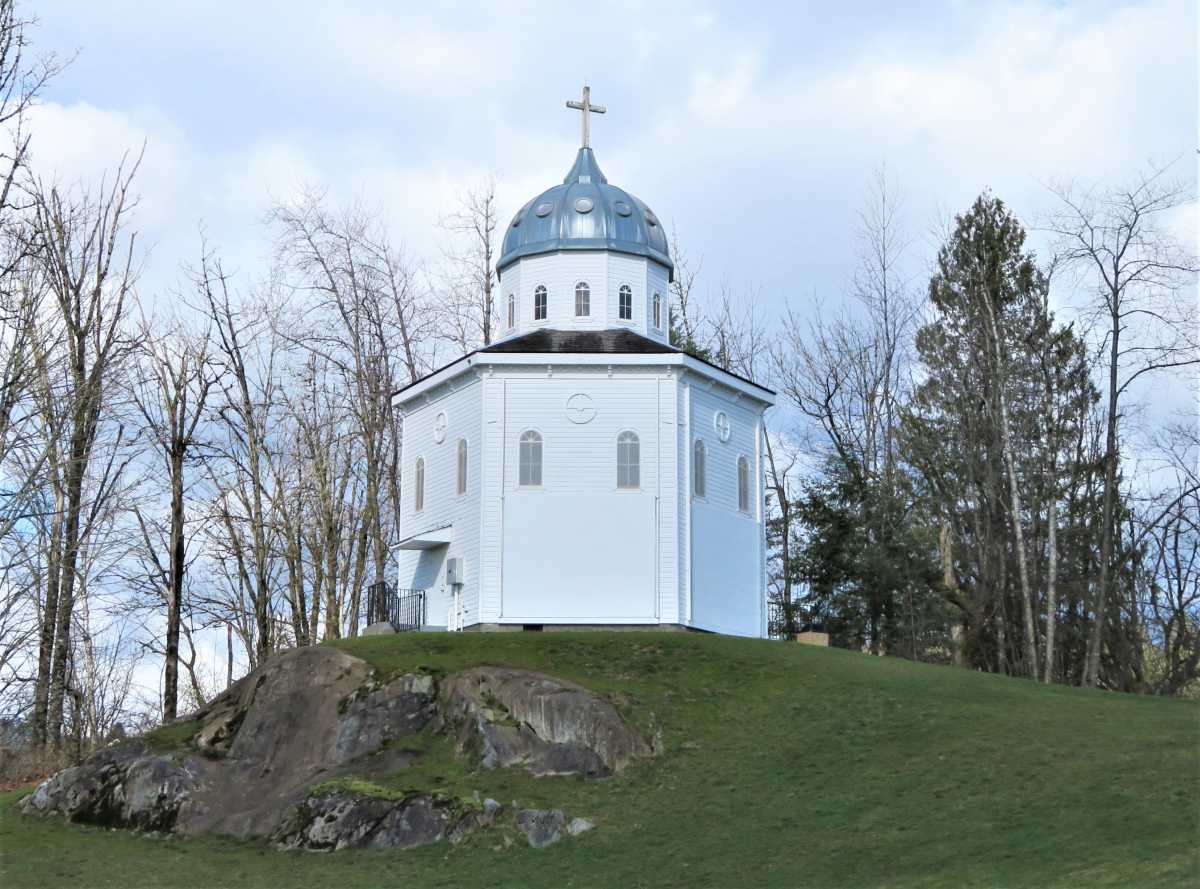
(544, 209)
(622, 208)
(651, 219)
(722, 425)
(584, 205)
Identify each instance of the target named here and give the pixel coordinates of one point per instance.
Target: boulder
(375, 715)
(541, 826)
(508, 717)
(285, 741)
(340, 820)
(123, 786)
(379, 628)
(580, 825)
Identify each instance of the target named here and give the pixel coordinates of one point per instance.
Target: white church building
(580, 470)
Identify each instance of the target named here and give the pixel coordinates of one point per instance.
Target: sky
(752, 129)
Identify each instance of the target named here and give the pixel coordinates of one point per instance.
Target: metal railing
(403, 609)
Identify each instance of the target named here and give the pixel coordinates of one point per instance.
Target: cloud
(755, 131)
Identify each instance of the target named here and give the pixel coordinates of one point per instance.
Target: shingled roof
(580, 342)
(604, 342)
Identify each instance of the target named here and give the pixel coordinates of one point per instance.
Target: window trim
(461, 455)
(699, 469)
(419, 484)
(544, 294)
(541, 458)
(636, 463)
(622, 292)
(584, 292)
(743, 484)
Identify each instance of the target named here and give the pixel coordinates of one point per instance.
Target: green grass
(783, 766)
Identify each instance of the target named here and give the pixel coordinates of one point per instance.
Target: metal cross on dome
(585, 107)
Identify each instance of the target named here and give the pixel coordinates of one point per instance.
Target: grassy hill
(784, 766)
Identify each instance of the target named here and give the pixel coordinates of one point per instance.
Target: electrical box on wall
(455, 571)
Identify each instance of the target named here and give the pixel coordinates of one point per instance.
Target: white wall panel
(579, 558)
(726, 593)
(443, 505)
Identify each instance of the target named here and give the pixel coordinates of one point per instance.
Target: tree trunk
(1091, 670)
(1030, 629)
(174, 592)
(1051, 582)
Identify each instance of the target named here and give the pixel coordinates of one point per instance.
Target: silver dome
(585, 213)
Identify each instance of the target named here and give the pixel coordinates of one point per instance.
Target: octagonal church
(580, 470)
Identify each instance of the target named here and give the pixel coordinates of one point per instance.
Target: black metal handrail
(404, 609)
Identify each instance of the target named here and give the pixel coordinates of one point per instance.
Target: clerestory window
(529, 458)
(462, 466)
(625, 302)
(628, 461)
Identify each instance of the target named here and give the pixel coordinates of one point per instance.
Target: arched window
(699, 473)
(462, 466)
(583, 300)
(657, 312)
(628, 461)
(512, 311)
(529, 455)
(539, 303)
(625, 302)
(419, 485)
(743, 484)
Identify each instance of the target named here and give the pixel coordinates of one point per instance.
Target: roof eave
(670, 359)
(628, 248)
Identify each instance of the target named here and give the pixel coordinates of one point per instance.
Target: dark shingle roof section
(595, 342)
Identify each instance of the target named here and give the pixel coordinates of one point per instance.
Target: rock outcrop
(260, 758)
(340, 820)
(508, 717)
(125, 786)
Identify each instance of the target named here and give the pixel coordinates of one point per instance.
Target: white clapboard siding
(724, 560)
(603, 272)
(443, 505)
(696, 562)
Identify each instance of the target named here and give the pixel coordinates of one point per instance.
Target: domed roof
(585, 213)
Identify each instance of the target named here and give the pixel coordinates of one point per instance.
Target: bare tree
(368, 323)
(1117, 241)
(87, 257)
(243, 355)
(21, 82)
(471, 266)
(172, 390)
(686, 320)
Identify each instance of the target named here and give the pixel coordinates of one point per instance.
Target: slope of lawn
(783, 765)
